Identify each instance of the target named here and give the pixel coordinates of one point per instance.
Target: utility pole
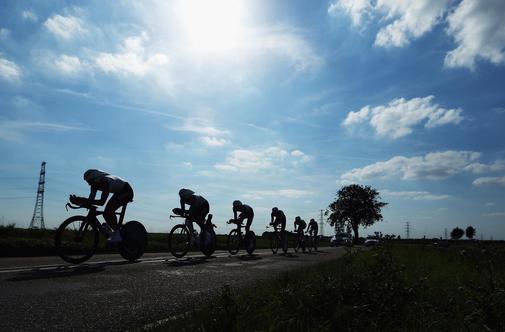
(445, 230)
(407, 229)
(38, 211)
(321, 224)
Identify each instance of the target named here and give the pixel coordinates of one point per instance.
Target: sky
(274, 103)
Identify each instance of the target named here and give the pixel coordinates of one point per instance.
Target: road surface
(108, 293)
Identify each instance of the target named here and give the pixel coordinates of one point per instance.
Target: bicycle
(300, 240)
(237, 239)
(76, 239)
(179, 239)
(277, 237)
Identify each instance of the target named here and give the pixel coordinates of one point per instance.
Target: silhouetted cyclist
(198, 207)
(300, 225)
(278, 217)
(122, 194)
(313, 227)
(246, 212)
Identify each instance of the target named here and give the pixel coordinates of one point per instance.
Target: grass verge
(389, 288)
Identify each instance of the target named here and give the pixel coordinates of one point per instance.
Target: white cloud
(478, 27)
(489, 204)
(397, 118)
(494, 214)
(286, 193)
(284, 42)
(4, 33)
(9, 70)
(414, 195)
(68, 65)
(13, 130)
(252, 160)
(432, 166)
(213, 141)
(356, 9)
(411, 20)
(64, 27)
(479, 168)
(29, 15)
(133, 58)
(188, 164)
(491, 180)
(301, 156)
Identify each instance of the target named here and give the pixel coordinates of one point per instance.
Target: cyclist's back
(313, 227)
(278, 217)
(300, 224)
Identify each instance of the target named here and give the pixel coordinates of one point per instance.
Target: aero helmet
(185, 193)
(237, 203)
(93, 174)
(298, 218)
(312, 219)
(275, 209)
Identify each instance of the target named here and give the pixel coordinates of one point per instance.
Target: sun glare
(211, 26)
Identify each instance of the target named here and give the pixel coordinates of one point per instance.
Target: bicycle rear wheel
(208, 242)
(250, 242)
(233, 242)
(76, 240)
(179, 240)
(274, 243)
(134, 240)
(284, 241)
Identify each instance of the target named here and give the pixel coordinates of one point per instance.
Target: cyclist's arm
(101, 201)
(234, 214)
(271, 218)
(183, 205)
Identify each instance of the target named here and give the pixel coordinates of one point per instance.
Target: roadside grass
(389, 288)
(18, 242)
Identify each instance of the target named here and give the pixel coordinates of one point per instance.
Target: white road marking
(141, 261)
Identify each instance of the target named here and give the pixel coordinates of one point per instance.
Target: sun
(211, 26)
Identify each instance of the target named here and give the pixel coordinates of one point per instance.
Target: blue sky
(275, 103)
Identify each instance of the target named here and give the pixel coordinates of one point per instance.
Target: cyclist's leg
(248, 224)
(114, 203)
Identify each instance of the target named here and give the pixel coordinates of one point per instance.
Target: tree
(470, 232)
(457, 233)
(355, 206)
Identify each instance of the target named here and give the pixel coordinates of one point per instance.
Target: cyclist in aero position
(300, 225)
(313, 228)
(122, 194)
(246, 212)
(280, 218)
(198, 207)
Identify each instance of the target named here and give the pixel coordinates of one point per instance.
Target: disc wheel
(284, 242)
(208, 242)
(274, 243)
(233, 242)
(179, 240)
(76, 240)
(133, 240)
(250, 242)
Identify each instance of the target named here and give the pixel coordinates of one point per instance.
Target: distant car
(371, 242)
(340, 240)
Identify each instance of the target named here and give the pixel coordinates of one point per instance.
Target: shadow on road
(63, 271)
(290, 255)
(189, 261)
(252, 257)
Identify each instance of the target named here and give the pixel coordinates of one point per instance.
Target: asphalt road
(108, 293)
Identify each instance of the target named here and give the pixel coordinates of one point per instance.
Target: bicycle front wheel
(233, 242)
(179, 240)
(76, 240)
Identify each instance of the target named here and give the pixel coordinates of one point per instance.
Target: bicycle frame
(92, 215)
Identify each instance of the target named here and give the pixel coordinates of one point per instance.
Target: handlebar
(68, 205)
